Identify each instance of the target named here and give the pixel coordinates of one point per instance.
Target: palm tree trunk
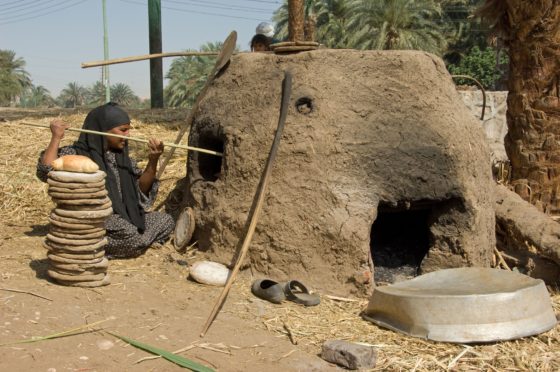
(531, 31)
(295, 20)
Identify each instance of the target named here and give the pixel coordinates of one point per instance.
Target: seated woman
(130, 230)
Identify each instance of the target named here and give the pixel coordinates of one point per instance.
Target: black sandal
(295, 291)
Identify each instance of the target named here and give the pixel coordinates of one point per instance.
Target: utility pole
(156, 66)
(105, 74)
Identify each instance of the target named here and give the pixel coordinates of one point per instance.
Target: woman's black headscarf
(102, 119)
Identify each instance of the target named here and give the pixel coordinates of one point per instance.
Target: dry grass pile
(25, 201)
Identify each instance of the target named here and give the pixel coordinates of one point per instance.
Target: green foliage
(462, 29)
(187, 76)
(331, 17)
(14, 80)
(123, 95)
(74, 95)
(177, 359)
(481, 65)
(36, 96)
(96, 94)
(366, 24)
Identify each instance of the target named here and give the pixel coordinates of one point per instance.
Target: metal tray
(464, 305)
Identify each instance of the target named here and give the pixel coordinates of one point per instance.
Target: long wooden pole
(144, 57)
(258, 200)
(136, 139)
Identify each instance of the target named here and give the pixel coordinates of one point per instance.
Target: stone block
(349, 355)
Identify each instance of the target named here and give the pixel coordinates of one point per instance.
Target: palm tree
(187, 76)
(331, 17)
(123, 95)
(396, 24)
(36, 96)
(73, 95)
(96, 94)
(13, 77)
(531, 32)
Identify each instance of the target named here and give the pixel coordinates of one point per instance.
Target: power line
(22, 4)
(35, 10)
(196, 11)
(218, 5)
(43, 14)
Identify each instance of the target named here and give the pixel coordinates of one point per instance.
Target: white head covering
(266, 29)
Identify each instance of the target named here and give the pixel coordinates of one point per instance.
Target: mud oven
(380, 168)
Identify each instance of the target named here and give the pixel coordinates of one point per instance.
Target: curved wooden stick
(481, 88)
(258, 200)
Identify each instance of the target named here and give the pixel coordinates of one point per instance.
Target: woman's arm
(147, 178)
(57, 134)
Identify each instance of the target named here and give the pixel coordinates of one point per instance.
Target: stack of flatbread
(76, 237)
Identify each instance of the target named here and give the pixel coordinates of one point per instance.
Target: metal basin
(464, 305)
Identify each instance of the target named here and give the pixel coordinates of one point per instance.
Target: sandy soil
(150, 300)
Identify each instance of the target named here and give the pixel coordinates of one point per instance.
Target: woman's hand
(156, 149)
(147, 178)
(57, 129)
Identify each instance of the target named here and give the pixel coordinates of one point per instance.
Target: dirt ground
(151, 300)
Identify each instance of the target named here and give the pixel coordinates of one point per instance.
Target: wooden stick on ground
(136, 139)
(257, 201)
(26, 292)
(501, 259)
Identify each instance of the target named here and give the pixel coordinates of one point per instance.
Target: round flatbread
(76, 185)
(76, 226)
(96, 283)
(57, 240)
(84, 214)
(85, 190)
(63, 260)
(74, 177)
(184, 228)
(81, 267)
(82, 257)
(75, 248)
(85, 203)
(91, 221)
(76, 278)
(63, 230)
(77, 196)
(79, 236)
(70, 207)
(79, 271)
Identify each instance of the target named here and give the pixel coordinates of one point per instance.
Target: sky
(55, 36)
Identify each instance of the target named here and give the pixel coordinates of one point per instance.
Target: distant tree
(13, 77)
(367, 24)
(462, 29)
(74, 95)
(187, 76)
(396, 24)
(96, 94)
(481, 65)
(331, 21)
(36, 96)
(123, 95)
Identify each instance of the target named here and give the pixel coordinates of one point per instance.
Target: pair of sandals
(277, 292)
